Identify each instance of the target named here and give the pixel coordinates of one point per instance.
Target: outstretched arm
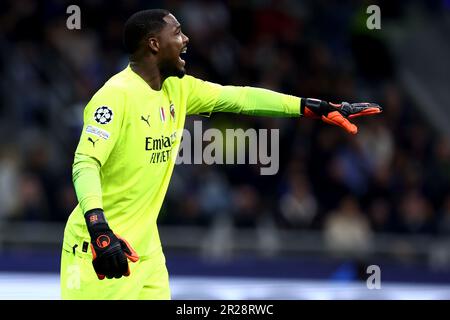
(206, 98)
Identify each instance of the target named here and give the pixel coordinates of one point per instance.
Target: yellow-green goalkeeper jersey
(129, 142)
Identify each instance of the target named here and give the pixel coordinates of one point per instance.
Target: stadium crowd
(394, 176)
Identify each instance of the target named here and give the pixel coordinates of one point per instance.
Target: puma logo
(93, 142)
(146, 120)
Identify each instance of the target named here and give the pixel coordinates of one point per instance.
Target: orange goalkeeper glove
(338, 114)
(109, 251)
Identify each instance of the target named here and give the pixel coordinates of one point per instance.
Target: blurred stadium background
(338, 205)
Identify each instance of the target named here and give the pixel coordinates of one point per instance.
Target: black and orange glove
(109, 251)
(338, 114)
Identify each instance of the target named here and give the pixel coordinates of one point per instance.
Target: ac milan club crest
(172, 111)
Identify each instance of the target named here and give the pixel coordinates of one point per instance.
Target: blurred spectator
(298, 205)
(214, 194)
(443, 224)
(415, 214)
(346, 229)
(380, 214)
(204, 18)
(247, 204)
(33, 202)
(376, 143)
(438, 172)
(9, 183)
(353, 167)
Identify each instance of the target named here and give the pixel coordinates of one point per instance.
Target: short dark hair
(140, 25)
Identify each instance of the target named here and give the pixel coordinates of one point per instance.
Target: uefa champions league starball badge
(103, 115)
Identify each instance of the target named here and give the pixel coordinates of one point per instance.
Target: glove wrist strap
(96, 221)
(310, 106)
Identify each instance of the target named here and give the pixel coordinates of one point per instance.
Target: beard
(180, 72)
(172, 69)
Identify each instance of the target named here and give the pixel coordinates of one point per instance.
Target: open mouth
(183, 52)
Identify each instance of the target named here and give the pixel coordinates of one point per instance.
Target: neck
(149, 71)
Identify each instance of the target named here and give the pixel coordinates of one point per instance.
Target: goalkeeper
(126, 155)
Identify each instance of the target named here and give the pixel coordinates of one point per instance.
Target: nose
(185, 39)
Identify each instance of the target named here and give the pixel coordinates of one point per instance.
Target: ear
(153, 44)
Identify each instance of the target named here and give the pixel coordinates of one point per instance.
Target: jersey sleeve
(103, 118)
(206, 97)
(87, 182)
(202, 96)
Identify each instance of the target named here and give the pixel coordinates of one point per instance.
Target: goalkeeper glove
(338, 114)
(109, 251)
